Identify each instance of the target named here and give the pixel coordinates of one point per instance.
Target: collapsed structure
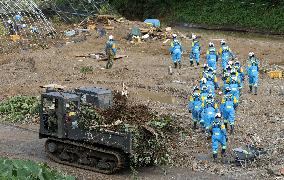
(22, 24)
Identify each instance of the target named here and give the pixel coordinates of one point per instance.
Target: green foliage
(56, 19)
(19, 108)
(28, 170)
(86, 69)
(3, 30)
(106, 9)
(259, 15)
(160, 123)
(251, 16)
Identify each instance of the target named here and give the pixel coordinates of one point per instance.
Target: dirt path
(145, 72)
(22, 142)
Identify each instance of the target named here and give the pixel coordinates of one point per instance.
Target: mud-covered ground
(259, 119)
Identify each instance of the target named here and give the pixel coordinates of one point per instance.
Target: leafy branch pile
(19, 108)
(150, 132)
(28, 170)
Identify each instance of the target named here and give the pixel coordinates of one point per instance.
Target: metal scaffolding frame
(80, 9)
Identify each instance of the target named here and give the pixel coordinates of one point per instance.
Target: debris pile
(23, 25)
(149, 130)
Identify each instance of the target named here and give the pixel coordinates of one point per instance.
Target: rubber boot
(170, 70)
(194, 125)
(179, 65)
(197, 63)
(255, 90)
(250, 88)
(226, 125)
(175, 65)
(223, 152)
(215, 156)
(232, 129)
(191, 63)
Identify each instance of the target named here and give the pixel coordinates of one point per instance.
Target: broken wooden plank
(109, 27)
(106, 16)
(115, 58)
(100, 56)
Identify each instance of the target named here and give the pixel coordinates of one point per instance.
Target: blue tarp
(154, 22)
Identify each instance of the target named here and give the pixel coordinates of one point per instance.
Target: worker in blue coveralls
(212, 83)
(225, 53)
(210, 108)
(228, 69)
(195, 106)
(205, 70)
(226, 81)
(240, 71)
(18, 18)
(235, 75)
(235, 87)
(211, 56)
(195, 50)
(251, 58)
(227, 107)
(176, 51)
(191, 98)
(110, 50)
(203, 82)
(252, 70)
(219, 136)
(211, 71)
(204, 93)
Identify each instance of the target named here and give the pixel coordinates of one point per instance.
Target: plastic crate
(275, 74)
(15, 37)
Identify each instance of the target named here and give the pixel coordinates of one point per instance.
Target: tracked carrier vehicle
(67, 143)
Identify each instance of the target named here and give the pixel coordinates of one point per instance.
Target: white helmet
(194, 36)
(24, 25)
(230, 63)
(174, 35)
(204, 80)
(205, 66)
(234, 78)
(211, 44)
(218, 115)
(9, 21)
(223, 42)
(110, 37)
(233, 71)
(251, 54)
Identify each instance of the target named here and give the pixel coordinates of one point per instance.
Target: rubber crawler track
(120, 158)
